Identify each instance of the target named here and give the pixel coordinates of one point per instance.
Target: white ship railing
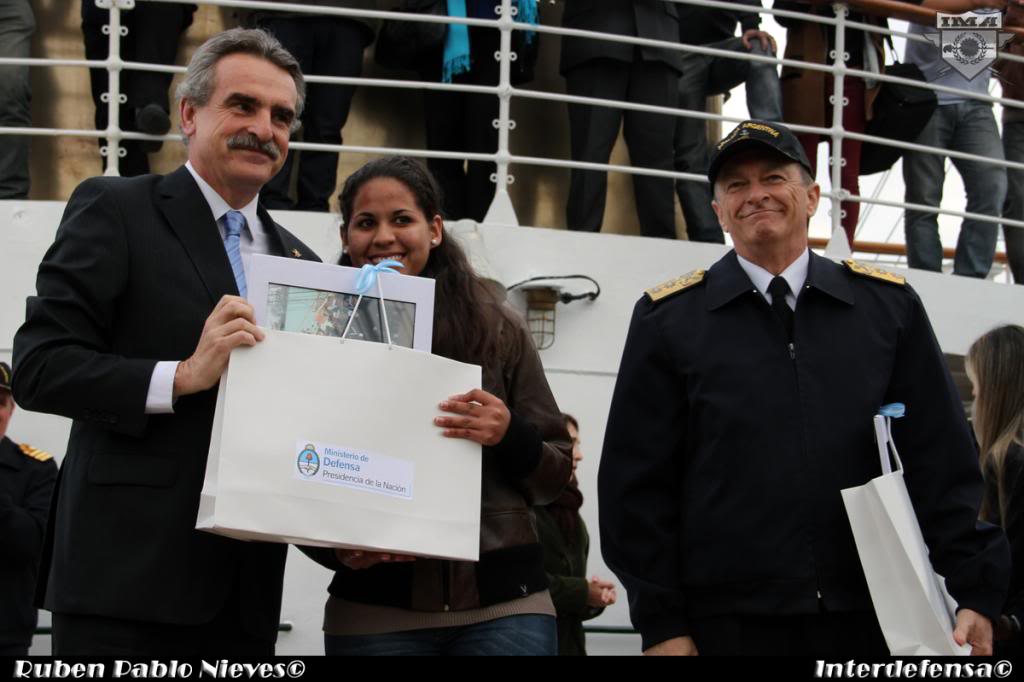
(502, 210)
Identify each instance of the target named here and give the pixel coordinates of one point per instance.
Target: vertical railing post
(839, 102)
(113, 151)
(501, 210)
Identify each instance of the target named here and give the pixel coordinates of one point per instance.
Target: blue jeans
(1013, 208)
(529, 635)
(704, 76)
(17, 24)
(964, 127)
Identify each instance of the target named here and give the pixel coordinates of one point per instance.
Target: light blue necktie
(234, 223)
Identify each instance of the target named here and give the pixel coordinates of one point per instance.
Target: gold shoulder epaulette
(674, 286)
(874, 273)
(35, 453)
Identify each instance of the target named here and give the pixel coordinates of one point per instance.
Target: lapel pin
(296, 254)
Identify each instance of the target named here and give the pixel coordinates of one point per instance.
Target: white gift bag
(325, 442)
(914, 609)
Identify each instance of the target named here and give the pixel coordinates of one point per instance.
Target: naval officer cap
(5, 377)
(755, 134)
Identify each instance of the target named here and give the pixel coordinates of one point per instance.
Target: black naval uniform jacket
(727, 448)
(26, 483)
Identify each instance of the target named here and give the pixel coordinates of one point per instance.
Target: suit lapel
(281, 240)
(275, 234)
(189, 216)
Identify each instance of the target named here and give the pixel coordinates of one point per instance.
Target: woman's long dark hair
(995, 362)
(468, 314)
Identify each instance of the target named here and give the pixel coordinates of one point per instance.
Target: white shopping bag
(914, 609)
(325, 442)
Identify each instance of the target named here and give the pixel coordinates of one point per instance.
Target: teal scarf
(456, 42)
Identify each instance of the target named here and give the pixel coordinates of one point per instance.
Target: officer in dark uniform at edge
(744, 404)
(27, 476)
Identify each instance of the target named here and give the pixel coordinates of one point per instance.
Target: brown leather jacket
(529, 467)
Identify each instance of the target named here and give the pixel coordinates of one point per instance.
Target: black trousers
(464, 122)
(225, 635)
(649, 137)
(154, 31)
(323, 46)
(823, 635)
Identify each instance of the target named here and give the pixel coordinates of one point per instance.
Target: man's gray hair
(199, 80)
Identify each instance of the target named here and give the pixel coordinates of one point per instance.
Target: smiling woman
(386, 223)
(388, 605)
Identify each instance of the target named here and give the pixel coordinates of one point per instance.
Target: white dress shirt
(795, 275)
(159, 398)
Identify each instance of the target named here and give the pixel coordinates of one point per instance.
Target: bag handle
(883, 436)
(892, 49)
(368, 275)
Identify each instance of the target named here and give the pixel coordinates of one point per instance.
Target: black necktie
(778, 288)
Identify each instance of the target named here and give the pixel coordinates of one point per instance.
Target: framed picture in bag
(321, 300)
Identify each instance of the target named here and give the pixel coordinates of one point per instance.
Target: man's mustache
(252, 143)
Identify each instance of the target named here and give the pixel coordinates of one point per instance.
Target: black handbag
(899, 112)
(406, 44)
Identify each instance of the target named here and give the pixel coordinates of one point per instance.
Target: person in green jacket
(566, 545)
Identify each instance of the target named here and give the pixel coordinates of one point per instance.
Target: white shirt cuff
(160, 398)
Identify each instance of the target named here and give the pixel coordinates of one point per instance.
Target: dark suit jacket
(137, 266)
(652, 19)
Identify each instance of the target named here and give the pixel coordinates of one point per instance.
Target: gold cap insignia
(742, 131)
(296, 253)
(874, 273)
(35, 453)
(674, 286)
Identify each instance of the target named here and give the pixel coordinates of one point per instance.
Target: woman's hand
(600, 593)
(482, 418)
(357, 559)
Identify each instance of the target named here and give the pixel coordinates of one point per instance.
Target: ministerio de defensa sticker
(356, 469)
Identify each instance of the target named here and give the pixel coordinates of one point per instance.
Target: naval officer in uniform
(744, 404)
(27, 475)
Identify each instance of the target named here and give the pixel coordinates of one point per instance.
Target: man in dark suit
(138, 309)
(630, 73)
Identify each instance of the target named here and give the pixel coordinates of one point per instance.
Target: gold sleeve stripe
(35, 453)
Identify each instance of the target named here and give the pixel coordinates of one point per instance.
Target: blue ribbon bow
(368, 274)
(894, 410)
